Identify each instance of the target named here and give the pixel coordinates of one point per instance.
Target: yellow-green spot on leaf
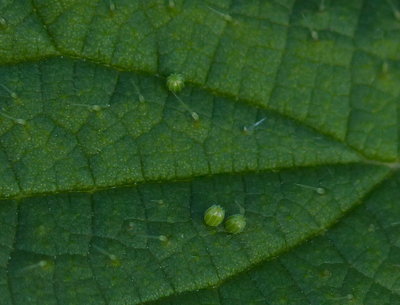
(214, 215)
(235, 224)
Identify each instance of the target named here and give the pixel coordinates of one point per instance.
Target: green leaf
(356, 262)
(105, 175)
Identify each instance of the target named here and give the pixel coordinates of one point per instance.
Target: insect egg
(175, 82)
(96, 108)
(322, 6)
(318, 190)
(226, 17)
(159, 201)
(171, 3)
(3, 23)
(12, 94)
(161, 238)
(193, 114)
(395, 10)
(214, 215)
(41, 264)
(250, 129)
(111, 256)
(314, 34)
(235, 224)
(112, 6)
(141, 97)
(16, 120)
(309, 25)
(99, 107)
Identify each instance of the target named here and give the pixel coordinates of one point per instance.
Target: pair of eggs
(215, 215)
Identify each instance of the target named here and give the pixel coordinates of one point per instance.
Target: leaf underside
(105, 175)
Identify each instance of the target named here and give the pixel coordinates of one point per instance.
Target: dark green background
(85, 194)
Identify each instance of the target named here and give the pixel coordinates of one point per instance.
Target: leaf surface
(105, 174)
